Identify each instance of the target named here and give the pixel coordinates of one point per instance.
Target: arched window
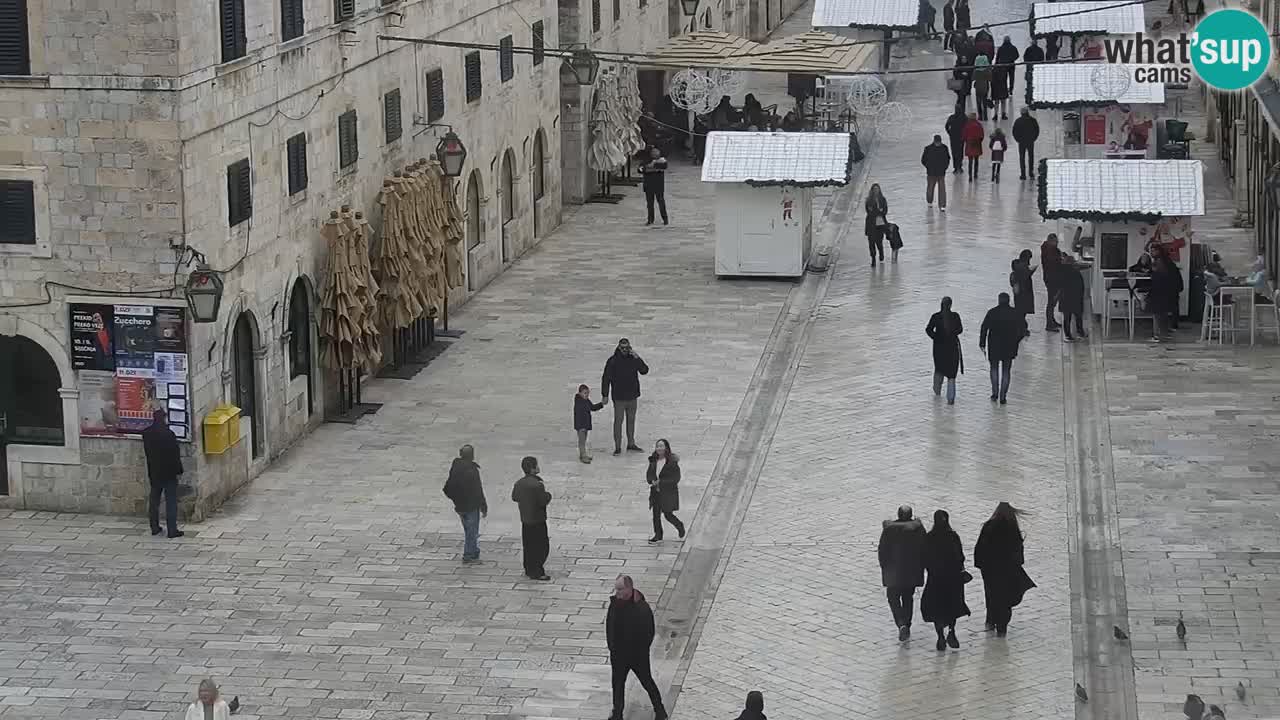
(30, 406)
(475, 226)
(300, 337)
(508, 186)
(245, 376)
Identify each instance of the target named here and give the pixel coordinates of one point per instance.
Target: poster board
(131, 360)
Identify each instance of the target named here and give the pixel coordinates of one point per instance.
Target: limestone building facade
(136, 131)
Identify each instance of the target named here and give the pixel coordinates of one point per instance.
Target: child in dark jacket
(582, 409)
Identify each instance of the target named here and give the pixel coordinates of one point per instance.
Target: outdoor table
(1248, 291)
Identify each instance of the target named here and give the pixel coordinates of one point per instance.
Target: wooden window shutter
(239, 192)
(291, 19)
(15, 43)
(506, 58)
(595, 15)
(343, 10)
(539, 42)
(17, 212)
(617, 10)
(348, 143)
(475, 83)
(435, 95)
(296, 155)
(231, 18)
(391, 115)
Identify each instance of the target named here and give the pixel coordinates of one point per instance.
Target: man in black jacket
(936, 159)
(1071, 300)
(1002, 330)
(902, 566)
(622, 373)
(629, 631)
(532, 497)
(955, 133)
(1025, 132)
(655, 183)
(467, 493)
(164, 465)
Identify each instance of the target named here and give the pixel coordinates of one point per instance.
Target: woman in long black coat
(876, 223)
(999, 555)
(664, 488)
(1024, 293)
(943, 599)
(944, 328)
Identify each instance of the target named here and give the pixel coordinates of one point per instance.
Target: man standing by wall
(532, 497)
(629, 630)
(622, 373)
(464, 489)
(164, 465)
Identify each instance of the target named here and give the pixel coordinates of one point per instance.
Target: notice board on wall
(131, 360)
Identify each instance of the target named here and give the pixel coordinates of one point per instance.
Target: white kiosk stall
(869, 20)
(764, 196)
(1123, 207)
(1119, 127)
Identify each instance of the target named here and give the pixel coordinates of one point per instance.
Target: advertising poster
(170, 330)
(1095, 132)
(135, 340)
(134, 403)
(98, 402)
(91, 333)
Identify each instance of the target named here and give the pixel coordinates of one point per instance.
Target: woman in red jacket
(973, 136)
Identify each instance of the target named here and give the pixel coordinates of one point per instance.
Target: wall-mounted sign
(131, 359)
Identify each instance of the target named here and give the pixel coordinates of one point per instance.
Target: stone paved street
(800, 612)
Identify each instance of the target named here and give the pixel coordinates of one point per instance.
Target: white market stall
(1125, 207)
(1099, 122)
(868, 20)
(764, 196)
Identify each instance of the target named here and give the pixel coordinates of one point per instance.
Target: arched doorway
(30, 406)
(507, 192)
(244, 374)
(475, 226)
(538, 169)
(300, 339)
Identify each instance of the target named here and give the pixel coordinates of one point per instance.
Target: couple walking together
(906, 552)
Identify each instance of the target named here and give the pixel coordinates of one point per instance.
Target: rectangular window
(296, 155)
(15, 43)
(595, 15)
(617, 11)
(348, 143)
(539, 43)
(475, 84)
(506, 58)
(231, 19)
(291, 22)
(343, 10)
(239, 192)
(391, 115)
(17, 212)
(435, 95)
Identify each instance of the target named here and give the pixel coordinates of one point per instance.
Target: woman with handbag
(876, 223)
(999, 555)
(664, 488)
(943, 600)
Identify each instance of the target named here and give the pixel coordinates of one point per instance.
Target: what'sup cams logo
(1229, 50)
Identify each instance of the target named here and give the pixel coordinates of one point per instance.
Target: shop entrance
(245, 376)
(30, 407)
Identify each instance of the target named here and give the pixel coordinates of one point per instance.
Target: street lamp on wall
(690, 10)
(452, 154)
(582, 63)
(204, 293)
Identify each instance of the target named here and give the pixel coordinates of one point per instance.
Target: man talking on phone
(622, 373)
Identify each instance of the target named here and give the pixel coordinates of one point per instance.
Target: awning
(1100, 190)
(867, 14)
(813, 52)
(1086, 18)
(703, 50)
(1072, 84)
(805, 159)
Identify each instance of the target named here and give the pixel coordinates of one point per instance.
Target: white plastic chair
(1117, 306)
(1218, 318)
(1268, 321)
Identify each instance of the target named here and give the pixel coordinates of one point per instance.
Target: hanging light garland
(1110, 81)
(893, 121)
(867, 95)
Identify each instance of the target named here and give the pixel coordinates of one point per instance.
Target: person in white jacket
(208, 706)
